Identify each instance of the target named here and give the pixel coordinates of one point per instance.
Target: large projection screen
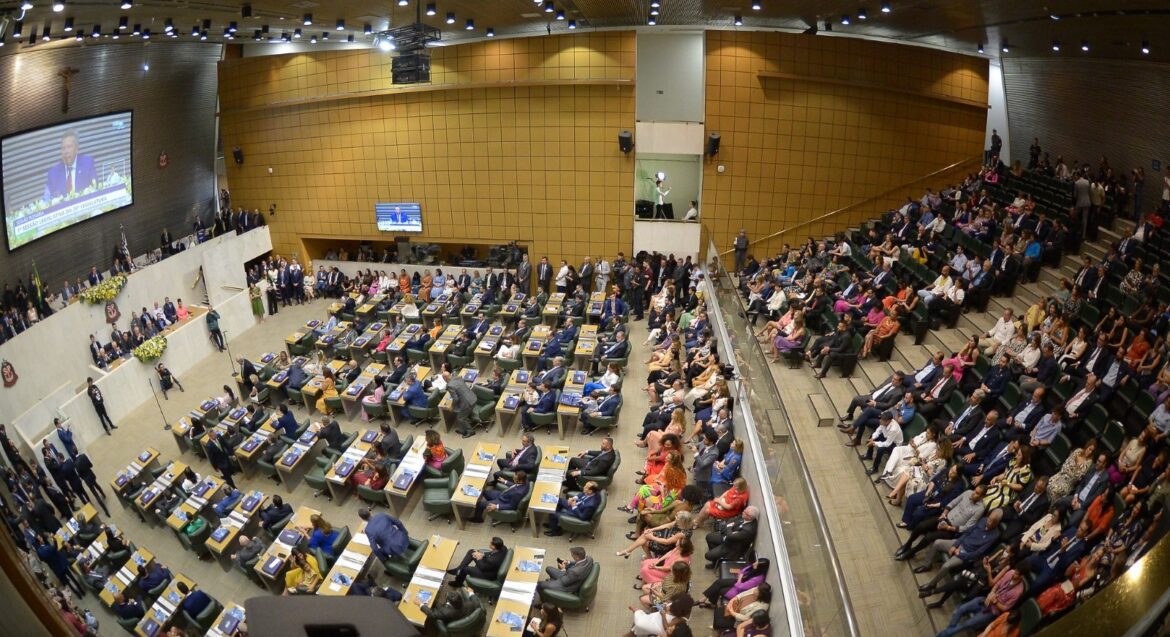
(60, 175)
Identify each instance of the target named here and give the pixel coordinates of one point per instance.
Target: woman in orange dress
(662, 488)
(404, 282)
(887, 328)
(730, 504)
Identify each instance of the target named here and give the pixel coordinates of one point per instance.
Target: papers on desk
(559, 459)
(522, 592)
(514, 621)
(143, 457)
(425, 576)
(351, 561)
(549, 498)
(528, 566)
(470, 491)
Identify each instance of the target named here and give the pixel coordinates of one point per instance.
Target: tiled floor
(144, 427)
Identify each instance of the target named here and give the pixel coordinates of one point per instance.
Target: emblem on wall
(163, 159)
(8, 373)
(112, 312)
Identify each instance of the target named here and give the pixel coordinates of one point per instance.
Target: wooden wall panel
(796, 149)
(535, 161)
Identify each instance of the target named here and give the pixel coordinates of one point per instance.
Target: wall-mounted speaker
(713, 144)
(625, 141)
(238, 155)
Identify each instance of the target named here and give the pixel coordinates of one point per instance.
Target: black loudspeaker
(238, 155)
(713, 144)
(625, 141)
(644, 209)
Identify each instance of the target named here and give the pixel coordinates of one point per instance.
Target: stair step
(825, 412)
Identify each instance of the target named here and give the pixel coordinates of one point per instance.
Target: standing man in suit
(601, 278)
(99, 405)
(585, 274)
(581, 507)
(463, 401)
(387, 535)
(741, 245)
(590, 463)
(506, 500)
(219, 453)
(73, 174)
(524, 274)
(479, 563)
(567, 576)
(543, 274)
(84, 467)
(66, 437)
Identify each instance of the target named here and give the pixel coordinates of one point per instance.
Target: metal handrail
(851, 206)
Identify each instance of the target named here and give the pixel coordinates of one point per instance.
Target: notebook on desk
(289, 537)
(511, 402)
(369, 436)
(219, 534)
(404, 480)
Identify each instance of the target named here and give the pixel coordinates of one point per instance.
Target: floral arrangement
(105, 291)
(151, 349)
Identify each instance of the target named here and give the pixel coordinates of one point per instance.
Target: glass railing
(816, 602)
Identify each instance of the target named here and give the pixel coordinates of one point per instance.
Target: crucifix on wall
(66, 74)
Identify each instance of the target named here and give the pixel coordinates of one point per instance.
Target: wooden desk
(405, 476)
(73, 525)
(550, 315)
(595, 305)
(349, 566)
(270, 567)
(428, 577)
(568, 415)
(168, 479)
(508, 407)
(534, 346)
(518, 592)
(339, 474)
(249, 451)
(394, 399)
(467, 314)
(126, 477)
(278, 380)
(546, 489)
(179, 430)
(438, 349)
(327, 340)
(222, 543)
(124, 577)
(164, 609)
(476, 472)
(205, 493)
(351, 398)
(296, 461)
(446, 405)
(485, 349)
(229, 619)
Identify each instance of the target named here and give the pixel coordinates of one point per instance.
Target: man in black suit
(619, 348)
(1080, 403)
(247, 371)
(1096, 361)
(1029, 506)
(219, 454)
(734, 540)
(525, 458)
(457, 605)
(881, 398)
(831, 350)
(273, 513)
(390, 444)
(99, 406)
(931, 398)
(478, 563)
(1086, 277)
(331, 433)
(967, 420)
(543, 275)
(85, 471)
(590, 463)
(1026, 415)
(985, 441)
(397, 373)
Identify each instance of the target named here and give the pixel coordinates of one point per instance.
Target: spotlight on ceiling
(58, 6)
(1145, 47)
(313, 40)
(1005, 47)
(886, 7)
(246, 11)
(655, 4)
(232, 27)
(137, 30)
(1056, 45)
(561, 14)
(403, 3)
(980, 47)
(652, 21)
(146, 34)
(861, 15)
(170, 26)
(654, 12)
(757, 5)
(431, 8)
(450, 18)
(18, 30)
(549, 8)
(97, 31)
(845, 20)
(68, 25)
(1085, 45)
(308, 21)
(739, 21)
(470, 26)
(367, 29)
(26, 6)
(127, 4)
(46, 35)
(349, 38)
(297, 34)
(195, 31)
(340, 24)
(572, 24)
(123, 23)
(491, 33)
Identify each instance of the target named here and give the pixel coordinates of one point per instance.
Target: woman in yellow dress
(305, 575)
(328, 390)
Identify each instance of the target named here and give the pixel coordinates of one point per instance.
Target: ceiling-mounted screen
(399, 217)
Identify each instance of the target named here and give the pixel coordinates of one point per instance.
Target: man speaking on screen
(73, 174)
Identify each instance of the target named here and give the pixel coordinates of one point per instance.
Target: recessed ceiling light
(980, 47)
(549, 8)
(652, 21)
(885, 7)
(403, 3)
(470, 25)
(861, 14)
(313, 40)
(68, 25)
(450, 18)
(26, 6)
(340, 24)
(431, 8)
(572, 24)
(845, 20)
(491, 33)
(297, 34)
(126, 4)
(1145, 47)
(738, 20)
(1056, 45)
(58, 6)
(561, 14)
(308, 19)
(1005, 47)
(757, 5)
(1085, 45)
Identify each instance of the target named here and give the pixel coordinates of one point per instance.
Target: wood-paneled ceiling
(1030, 28)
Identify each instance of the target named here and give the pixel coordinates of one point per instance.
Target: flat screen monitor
(399, 217)
(63, 174)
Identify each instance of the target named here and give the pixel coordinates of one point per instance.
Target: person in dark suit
(479, 326)
(543, 274)
(397, 373)
(99, 405)
(219, 454)
(1027, 508)
(1095, 361)
(195, 601)
(73, 174)
(981, 446)
(581, 507)
(568, 575)
(277, 510)
(390, 444)
(414, 395)
(84, 467)
(387, 535)
(69, 475)
(606, 407)
(547, 404)
(932, 398)
(247, 371)
(457, 605)
(967, 420)
(619, 348)
(524, 274)
(479, 563)
(590, 463)
(734, 540)
(832, 349)
(1080, 403)
(1025, 416)
(881, 398)
(524, 459)
(286, 424)
(505, 500)
(331, 433)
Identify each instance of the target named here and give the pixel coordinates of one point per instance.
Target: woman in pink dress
(656, 569)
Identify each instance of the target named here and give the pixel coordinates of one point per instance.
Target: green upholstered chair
(402, 568)
(575, 601)
(470, 626)
(514, 517)
(575, 527)
(436, 497)
(452, 464)
(490, 588)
